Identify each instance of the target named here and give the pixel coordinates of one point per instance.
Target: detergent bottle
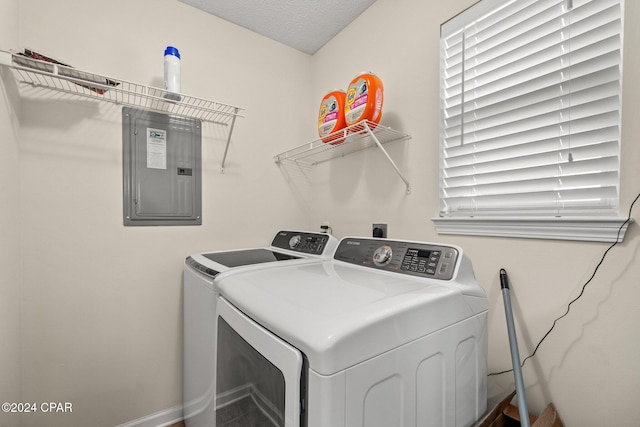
(331, 116)
(365, 96)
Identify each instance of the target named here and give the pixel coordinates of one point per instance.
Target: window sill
(593, 229)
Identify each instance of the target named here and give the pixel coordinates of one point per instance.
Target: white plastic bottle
(172, 73)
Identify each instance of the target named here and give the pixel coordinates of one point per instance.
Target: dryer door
(258, 376)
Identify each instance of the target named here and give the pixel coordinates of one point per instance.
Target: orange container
(365, 96)
(331, 116)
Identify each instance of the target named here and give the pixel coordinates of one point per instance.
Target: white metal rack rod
(226, 148)
(393, 164)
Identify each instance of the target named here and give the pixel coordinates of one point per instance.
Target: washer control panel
(413, 258)
(308, 243)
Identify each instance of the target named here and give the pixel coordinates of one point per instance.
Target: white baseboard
(162, 418)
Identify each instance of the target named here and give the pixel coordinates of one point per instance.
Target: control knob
(382, 255)
(295, 241)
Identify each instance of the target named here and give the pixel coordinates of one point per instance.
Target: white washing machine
(201, 273)
(386, 334)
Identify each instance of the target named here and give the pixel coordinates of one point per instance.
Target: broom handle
(515, 355)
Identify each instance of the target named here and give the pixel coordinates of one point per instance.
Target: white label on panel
(156, 148)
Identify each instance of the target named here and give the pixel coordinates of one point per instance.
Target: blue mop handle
(515, 355)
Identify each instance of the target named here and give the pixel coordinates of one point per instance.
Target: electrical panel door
(161, 168)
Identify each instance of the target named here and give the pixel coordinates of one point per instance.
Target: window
(530, 119)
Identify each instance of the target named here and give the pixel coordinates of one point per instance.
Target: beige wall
(103, 303)
(101, 322)
(10, 246)
(588, 366)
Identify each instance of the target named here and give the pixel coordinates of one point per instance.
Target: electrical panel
(162, 173)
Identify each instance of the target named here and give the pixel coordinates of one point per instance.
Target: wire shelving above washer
(62, 78)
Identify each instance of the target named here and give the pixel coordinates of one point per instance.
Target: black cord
(581, 292)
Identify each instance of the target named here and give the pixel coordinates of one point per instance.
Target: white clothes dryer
(386, 334)
(201, 273)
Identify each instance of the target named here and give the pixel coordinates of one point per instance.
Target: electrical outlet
(379, 230)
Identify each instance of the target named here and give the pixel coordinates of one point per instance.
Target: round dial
(295, 241)
(382, 255)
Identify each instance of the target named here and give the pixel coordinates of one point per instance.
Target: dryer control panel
(413, 258)
(303, 242)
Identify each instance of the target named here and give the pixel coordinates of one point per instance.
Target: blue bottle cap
(170, 50)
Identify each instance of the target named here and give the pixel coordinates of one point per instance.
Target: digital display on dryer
(421, 253)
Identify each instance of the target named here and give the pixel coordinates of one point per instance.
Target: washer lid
(247, 257)
(291, 246)
(339, 314)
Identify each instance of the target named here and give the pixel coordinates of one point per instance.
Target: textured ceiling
(305, 25)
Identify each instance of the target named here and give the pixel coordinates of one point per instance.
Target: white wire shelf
(353, 138)
(71, 80)
(62, 78)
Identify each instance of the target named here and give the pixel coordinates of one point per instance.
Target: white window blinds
(530, 109)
